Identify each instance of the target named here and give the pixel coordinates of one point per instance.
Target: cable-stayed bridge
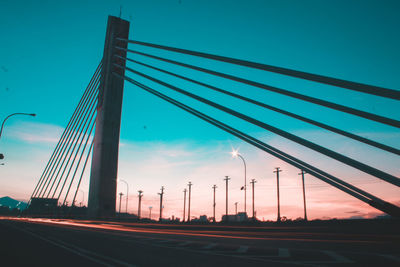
(99, 112)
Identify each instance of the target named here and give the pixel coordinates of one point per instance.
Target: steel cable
(355, 86)
(324, 103)
(290, 114)
(336, 182)
(344, 159)
(66, 141)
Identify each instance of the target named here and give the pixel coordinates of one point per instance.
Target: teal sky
(50, 49)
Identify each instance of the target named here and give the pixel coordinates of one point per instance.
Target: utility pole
(140, 202)
(120, 197)
(226, 208)
(127, 194)
(214, 187)
(236, 207)
(304, 193)
(184, 204)
(253, 181)
(150, 207)
(190, 190)
(161, 199)
(277, 171)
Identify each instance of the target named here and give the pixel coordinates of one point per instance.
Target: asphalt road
(46, 242)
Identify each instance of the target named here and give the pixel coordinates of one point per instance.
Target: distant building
(240, 217)
(43, 206)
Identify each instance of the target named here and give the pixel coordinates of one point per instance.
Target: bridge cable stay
(327, 104)
(278, 110)
(64, 134)
(62, 157)
(330, 179)
(88, 135)
(86, 106)
(83, 171)
(90, 123)
(364, 88)
(67, 141)
(330, 153)
(71, 140)
(66, 138)
(73, 144)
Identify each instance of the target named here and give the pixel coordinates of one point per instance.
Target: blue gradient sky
(49, 50)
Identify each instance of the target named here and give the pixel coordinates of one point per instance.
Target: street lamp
(83, 196)
(120, 197)
(4, 121)
(2, 125)
(127, 194)
(235, 154)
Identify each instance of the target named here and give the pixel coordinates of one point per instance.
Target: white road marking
(210, 246)
(337, 257)
(242, 249)
(283, 253)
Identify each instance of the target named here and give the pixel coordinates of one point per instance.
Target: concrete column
(103, 177)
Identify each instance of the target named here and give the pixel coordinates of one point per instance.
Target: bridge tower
(103, 177)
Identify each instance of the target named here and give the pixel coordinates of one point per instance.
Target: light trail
(228, 234)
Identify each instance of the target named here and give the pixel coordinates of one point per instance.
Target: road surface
(57, 242)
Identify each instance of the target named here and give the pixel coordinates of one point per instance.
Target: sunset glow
(50, 50)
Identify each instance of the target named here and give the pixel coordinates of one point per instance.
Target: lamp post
(4, 121)
(277, 171)
(161, 199)
(253, 181)
(2, 125)
(127, 194)
(236, 154)
(304, 194)
(226, 202)
(214, 187)
(190, 190)
(83, 197)
(140, 202)
(120, 197)
(184, 204)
